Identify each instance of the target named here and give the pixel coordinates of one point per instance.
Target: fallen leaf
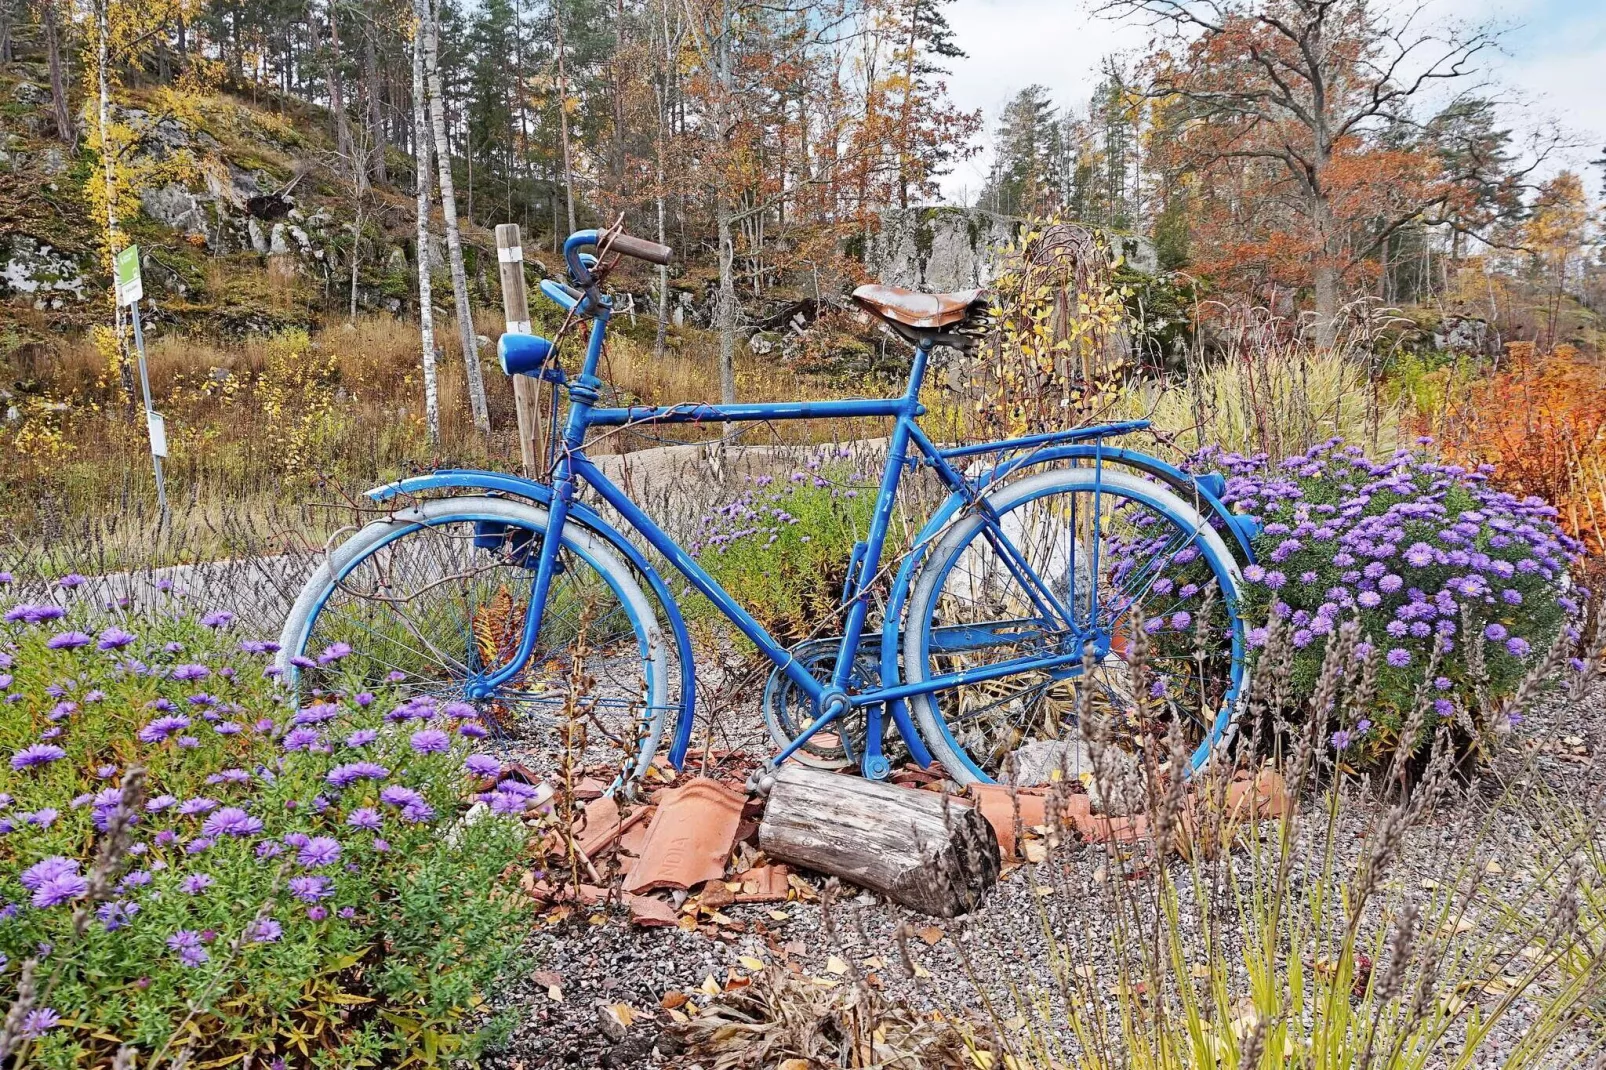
(1086, 971)
(751, 963)
(930, 934)
(554, 993)
(546, 978)
(710, 987)
(673, 999)
(780, 915)
(836, 966)
(1044, 890)
(921, 971)
(1101, 875)
(1035, 851)
(824, 982)
(677, 1016)
(874, 962)
(1493, 868)
(1199, 970)
(792, 1064)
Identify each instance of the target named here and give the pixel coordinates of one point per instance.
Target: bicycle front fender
(584, 515)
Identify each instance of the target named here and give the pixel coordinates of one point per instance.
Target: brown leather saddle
(951, 319)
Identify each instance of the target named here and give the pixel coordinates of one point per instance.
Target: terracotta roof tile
(690, 837)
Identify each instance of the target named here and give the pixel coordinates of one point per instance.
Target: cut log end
(933, 854)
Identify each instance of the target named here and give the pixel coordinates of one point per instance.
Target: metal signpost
(130, 289)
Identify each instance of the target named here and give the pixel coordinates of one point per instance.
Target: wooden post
(516, 310)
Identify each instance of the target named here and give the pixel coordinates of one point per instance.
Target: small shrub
(1457, 587)
(298, 883)
(782, 546)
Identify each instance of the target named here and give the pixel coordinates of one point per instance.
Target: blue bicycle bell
(523, 354)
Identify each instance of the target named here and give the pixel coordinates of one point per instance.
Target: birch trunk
(563, 118)
(426, 299)
(663, 106)
(725, 311)
(454, 243)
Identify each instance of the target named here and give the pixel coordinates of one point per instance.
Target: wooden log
(516, 310)
(935, 855)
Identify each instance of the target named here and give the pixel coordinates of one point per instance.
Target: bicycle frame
(831, 699)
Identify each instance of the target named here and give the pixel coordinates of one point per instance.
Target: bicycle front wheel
(1076, 559)
(432, 602)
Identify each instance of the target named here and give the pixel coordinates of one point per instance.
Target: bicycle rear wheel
(1075, 557)
(432, 602)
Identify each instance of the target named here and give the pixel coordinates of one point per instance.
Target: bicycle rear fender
(528, 489)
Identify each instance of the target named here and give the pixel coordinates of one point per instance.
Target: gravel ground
(1552, 755)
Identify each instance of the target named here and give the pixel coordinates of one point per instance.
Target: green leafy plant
(194, 869)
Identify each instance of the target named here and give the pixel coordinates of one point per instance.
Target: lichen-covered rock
(29, 266)
(176, 207)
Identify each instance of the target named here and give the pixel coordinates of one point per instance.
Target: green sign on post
(130, 290)
(130, 287)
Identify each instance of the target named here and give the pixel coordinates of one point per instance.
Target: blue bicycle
(1014, 608)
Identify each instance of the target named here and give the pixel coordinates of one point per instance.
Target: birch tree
(426, 300)
(454, 243)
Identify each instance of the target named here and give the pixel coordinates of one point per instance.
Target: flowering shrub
(295, 882)
(1425, 557)
(782, 545)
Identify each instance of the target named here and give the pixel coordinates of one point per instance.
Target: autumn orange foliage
(1541, 421)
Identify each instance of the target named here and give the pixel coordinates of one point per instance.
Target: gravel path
(1502, 816)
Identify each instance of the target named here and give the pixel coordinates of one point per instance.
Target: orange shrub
(1541, 421)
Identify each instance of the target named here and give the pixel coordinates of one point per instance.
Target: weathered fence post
(516, 310)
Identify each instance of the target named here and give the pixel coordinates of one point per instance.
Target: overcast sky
(1555, 62)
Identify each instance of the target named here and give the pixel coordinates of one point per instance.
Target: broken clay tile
(590, 788)
(600, 825)
(652, 911)
(998, 803)
(1265, 799)
(768, 884)
(690, 837)
(549, 893)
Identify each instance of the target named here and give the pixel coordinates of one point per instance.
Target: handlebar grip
(642, 249)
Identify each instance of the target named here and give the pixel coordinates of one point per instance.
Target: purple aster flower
(163, 727)
(1495, 633)
(69, 641)
(190, 672)
(218, 618)
(301, 661)
(226, 728)
(188, 944)
(434, 741)
(302, 738)
(472, 730)
(1369, 599)
(323, 711)
(1442, 683)
(460, 710)
(1517, 647)
(364, 818)
(36, 754)
(399, 796)
(319, 851)
(311, 889)
(482, 765)
(508, 804)
(333, 653)
(43, 817)
(160, 803)
(232, 821)
(61, 888)
(195, 883)
(1399, 657)
(199, 845)
(363, 699)
(343, 775)
(417, 813)
(317, 913)
(1419, 555)
(115, 914)
(380, 846)
(198, 805)
(229, 776)
(263, 931)
(269, 849)
(1444, 707)
(362, 737)
(1341, 739)
(137, 878)
(39, 1021)
(34, 877)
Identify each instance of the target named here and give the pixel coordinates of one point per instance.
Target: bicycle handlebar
(642, 249)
